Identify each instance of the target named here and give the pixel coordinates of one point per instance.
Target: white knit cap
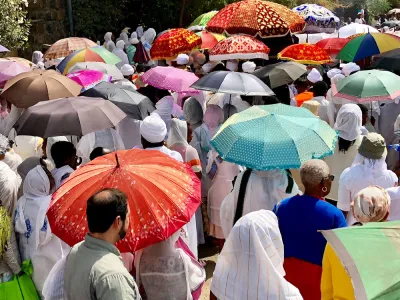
(249, 67)
(127, 70)
(232, 65)
(182, 59)
(349, 68)
(314, 76)
(153, 129)
(207, 68)
(333, 72)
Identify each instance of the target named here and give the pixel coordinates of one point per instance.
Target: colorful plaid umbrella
(370, 254)
(368, 45)
(256, 17)
(203, 19)
(274, 136)
(367, 86)
(305, 54)
(332, 45)
(174, 42)
(88, 78)
(65, 47)
(318, 18)
(98, 53)
(9, 69)
(239, 47)
(209, 40)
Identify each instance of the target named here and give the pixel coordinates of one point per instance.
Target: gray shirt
(94, 271)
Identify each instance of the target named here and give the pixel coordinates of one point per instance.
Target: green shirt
(94, 271)
(130, 52)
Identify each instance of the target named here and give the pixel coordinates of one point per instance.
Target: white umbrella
(108, 69)
(354, 28)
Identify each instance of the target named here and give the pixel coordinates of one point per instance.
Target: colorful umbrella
(332, 45)
(88, 78)
(370, 254)
(110, 70)
(9, 69)
(368, 45)
(239, 47)
(29, 88)
(367, 86)
(98, 54)
(305, 54)
(65, 47)
(355, 28)
(256, 17)
(174, 42)
(163, 194)
(274, 136)
(209, 40)
(170, 78)
(317, 18)
(20, 60)
(203, 19)
(3, 49)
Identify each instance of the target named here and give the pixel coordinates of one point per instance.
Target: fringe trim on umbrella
(5, 229)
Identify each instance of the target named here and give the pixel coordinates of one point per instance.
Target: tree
(377, 7)
(14, 25)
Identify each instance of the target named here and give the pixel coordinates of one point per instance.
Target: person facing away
(119, 51)
(371, 204)
(250, 265)
(320, 89)
(99, 151)
(94, 267)
(300, 219)
(367, 125)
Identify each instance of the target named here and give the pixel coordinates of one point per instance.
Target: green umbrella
(203, 19)
(367, 86)
(371, 255)
(274, 136)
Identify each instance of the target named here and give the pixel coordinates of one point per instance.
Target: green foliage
(377, 7)
(14, 26)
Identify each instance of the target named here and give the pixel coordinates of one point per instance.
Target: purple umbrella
(9, 69)
(3, 49)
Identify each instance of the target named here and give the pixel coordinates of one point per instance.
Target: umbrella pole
(229, 108)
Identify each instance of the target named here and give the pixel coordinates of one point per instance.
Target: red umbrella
(163, 194)
(305, 54)
(333, 45)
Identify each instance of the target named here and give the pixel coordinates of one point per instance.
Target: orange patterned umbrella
(174, 42)
(65, 47)
(305, 54)
(256, 17)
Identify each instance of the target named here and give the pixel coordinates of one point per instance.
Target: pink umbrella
(89, 78)
(170, 78)
(3, 49)
(9, 69)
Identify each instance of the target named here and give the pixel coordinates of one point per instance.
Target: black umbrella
(134, 104)
(280, 73)
(388, 61)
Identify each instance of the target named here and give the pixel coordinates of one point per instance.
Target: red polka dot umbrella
(256, 17)
(239, 47)
(305, 54)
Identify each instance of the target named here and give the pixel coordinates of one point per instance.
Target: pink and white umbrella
(89, 78)
(9, 69)
(170, 78)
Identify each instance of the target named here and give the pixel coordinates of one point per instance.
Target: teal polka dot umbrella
(274, 137)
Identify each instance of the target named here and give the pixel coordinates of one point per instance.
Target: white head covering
(350, 68)
(314, 76)
(182, 59)
(12, 159)
(153, 129)
(337, 78)
(4, 144)
(213, 117)
(119, 51)
(9, 185)
(37, 57)
(249, 67)
(148, 36)
(331, 73)
(139, 31)
(110, 46)
(250, 265)
(127, 70)
(124, 37)
(207, 68)
(178, 133)
(348, 122)
(232, 64)
(193, 112)
(165, 108)
(134, 40)
(120, 44)
(107, 37)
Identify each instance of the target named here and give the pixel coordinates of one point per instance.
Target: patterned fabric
(174, 42)
(256, 17)
(20, 60)
(203, 19)
(305, 54)
(65, 47)
(239, 47)
(317, 18)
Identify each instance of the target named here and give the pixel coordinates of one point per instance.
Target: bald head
(313, 172)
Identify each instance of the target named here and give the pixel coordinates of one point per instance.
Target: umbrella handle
(116, 158)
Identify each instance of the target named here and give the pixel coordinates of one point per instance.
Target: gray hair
(312, 172)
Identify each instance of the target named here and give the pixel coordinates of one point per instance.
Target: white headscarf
(178, 133)
(349, 68)
(314, 76)
(148, 36)
(153, 129)
(250, 265)
(249, 67)
(13, 160)
(111, 46)
(124, 37)
(119, 51)
(193, 112)
(182, 59)
(232, 65)
(164, 108)
(9, 186)
(127, 70)
(332, 72)
(37, 57)
(348, 122)
(107, 37)
(139, 31)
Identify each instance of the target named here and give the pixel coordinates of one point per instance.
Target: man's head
(99, 151)
(64, 154)
(301, 85)
(108, 214)
(127, 71)
(153, 131)
(320, 89)
(315, 177)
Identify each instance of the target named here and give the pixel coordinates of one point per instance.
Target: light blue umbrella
(274, 137)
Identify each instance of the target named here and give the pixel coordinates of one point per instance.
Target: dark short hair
(320, 88)
(97, 152)
(363, 108)
(62, 151)
(104, 207)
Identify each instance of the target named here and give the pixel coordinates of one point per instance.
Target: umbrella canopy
(332, 45)
(256, 17)
(170, 78)
(98, 54)
(274, 136)
(3, 49)
(88, 78)
(370, 254)
(394, 11)
(233, 83)
(355, 28)
(318, 18)
(163, 194)
(20, 60)
(239, 47)
(29, 88)
(65, 47)
(280, 73)
(134, 104)
(388, 61)
(110, 70)
(305, 54)
(9, 69)
(68, 116)
(368, 45)
(203, 19)
(209, 40)
(174, 42)
(367, 86)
